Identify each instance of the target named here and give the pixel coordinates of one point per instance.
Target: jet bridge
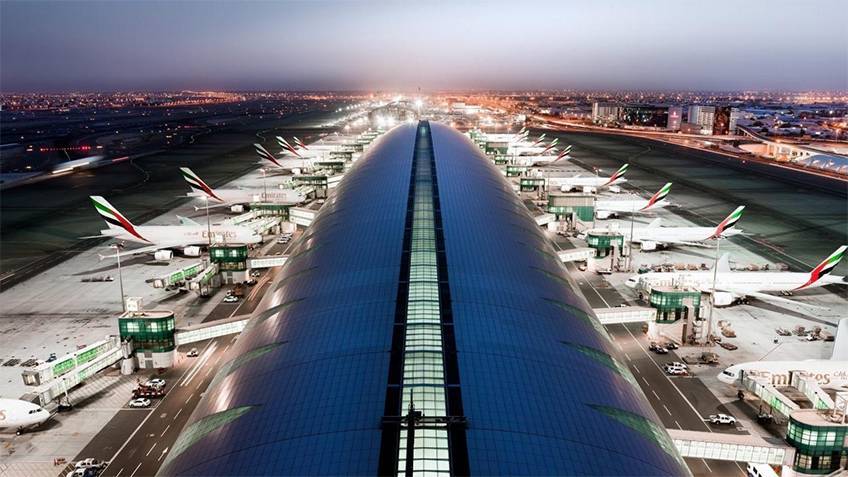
(731, 447)
(51, 380)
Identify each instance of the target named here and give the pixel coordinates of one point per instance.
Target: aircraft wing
(769, 298)
(683, 242)
(142, 250)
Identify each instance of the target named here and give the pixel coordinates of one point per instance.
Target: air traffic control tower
(423, 324)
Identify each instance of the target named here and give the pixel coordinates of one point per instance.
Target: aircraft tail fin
(287, 146)
(264, 154)
(825, 267)
(840, 346)
(728, 222)
(113, 218)
(197, 183)
(618, 174)
(660, 195)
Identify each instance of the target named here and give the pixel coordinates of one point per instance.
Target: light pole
(208, 230)
(118, 248)
(712, 295)
(630, 241)
(264, 186)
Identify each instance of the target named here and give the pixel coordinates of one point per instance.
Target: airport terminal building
(423, 324)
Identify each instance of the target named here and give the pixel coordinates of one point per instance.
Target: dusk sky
(675, 44)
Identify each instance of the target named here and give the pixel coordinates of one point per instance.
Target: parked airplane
(227, 197)
(831, 373)
(653, 236)
(283, 164)
(161, 237)
(606, 208)
(21, 415)
(542, 160)
(731, 286)
(588, 183)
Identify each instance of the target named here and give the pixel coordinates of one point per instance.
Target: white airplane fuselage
(19, 415)
(827, 373)
(184, 235)
(273, 195)
(568, 183)
(743, 280)
(625, 206)
(674, 234)
(538, 160)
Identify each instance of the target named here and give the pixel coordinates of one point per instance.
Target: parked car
(192, 353)
(139, 402)
(157, 383)
(675, 370)
(657, 348)
(678, 364)
(89, 462)
(722, 419)
(671, 345)
(230, 299)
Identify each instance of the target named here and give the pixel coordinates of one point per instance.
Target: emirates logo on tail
(197, 183)
(825, 267)
(264, 154)
(618, 174)
(660, 195)
(113, 217)
(728, 222)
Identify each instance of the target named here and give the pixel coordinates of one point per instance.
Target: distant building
(605, 112)
(689, 128)
(714, 120)
(648, 115)
(675, 118)
(703, 116)
(725, 120)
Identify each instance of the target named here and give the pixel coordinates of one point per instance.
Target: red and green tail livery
(197, 183)
(825, 267)
(728, 222)
(660, 195)
(114, 218)
(288, 147)
(264, 154)
(618, 174)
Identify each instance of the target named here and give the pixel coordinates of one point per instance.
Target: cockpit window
(727, 373)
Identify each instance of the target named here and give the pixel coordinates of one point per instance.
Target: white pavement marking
(166, 430)
(672, 382)
(636, 368)
(657, 395)
(678, 425)
(708, 465)
(136, 469)
(196, 368)
(136, 431)
(178, 413)
(162, 454)
(666, 410)
(151, 449)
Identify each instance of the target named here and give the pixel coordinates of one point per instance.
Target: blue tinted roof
(541, 390)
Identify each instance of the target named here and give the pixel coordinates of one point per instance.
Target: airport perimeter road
(680, 402)
(143, 449)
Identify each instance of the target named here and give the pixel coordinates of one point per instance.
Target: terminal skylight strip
(423, 379)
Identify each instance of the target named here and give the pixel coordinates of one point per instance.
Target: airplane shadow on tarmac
(113, 266)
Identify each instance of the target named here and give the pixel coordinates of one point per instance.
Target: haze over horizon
(330, 45)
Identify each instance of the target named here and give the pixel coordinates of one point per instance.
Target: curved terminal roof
(535, 375)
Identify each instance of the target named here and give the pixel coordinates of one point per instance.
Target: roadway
(136, 441)
(681, 402)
